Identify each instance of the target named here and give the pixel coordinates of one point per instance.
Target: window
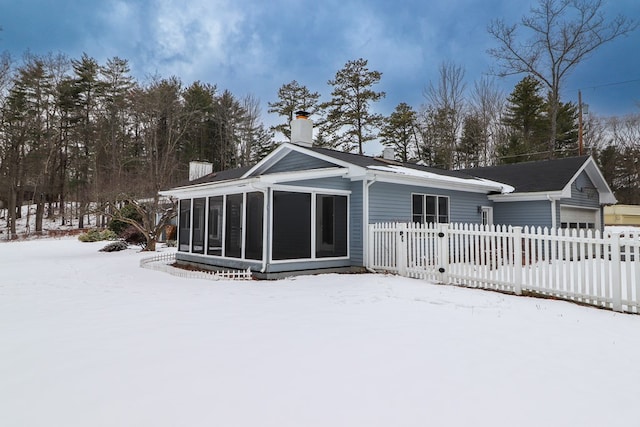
(331, 226)
(233, 229)
(487, 215)
(428, 209)
(291, 225)
(214, 242)
(197, 239)
(578, 225)
(185, 225)
(255, 215)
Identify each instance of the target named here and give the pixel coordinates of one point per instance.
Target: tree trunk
(12, 212)
(151, 245)
(39, 214)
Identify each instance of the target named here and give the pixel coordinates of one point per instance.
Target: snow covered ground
(91, 339)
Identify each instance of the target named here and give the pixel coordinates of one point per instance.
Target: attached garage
(581, 218)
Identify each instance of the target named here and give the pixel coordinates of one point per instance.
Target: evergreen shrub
(115, 246)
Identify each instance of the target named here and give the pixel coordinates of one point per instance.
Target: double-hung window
(428, 209)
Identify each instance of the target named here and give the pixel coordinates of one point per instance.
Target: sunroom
(266, 223)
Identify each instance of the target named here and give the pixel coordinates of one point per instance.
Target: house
(559, 193)
(304, 208)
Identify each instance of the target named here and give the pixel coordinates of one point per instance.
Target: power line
(609, 84)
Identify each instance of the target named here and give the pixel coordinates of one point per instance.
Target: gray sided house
(305, 208)
(560, 193)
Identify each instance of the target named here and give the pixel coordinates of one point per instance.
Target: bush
(95, 235)
(115, 247)
(133, 236)
(171, 232)
(129, 212)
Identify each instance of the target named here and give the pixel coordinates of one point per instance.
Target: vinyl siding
(535, 213)
(219, 262)
(334, 183)
(583, 193)
(306, 265)
(392, 202)
(295, 161)
(355, 224)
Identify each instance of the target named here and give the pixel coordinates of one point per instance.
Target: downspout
(265, 229)
(365, 221)
(554, 222)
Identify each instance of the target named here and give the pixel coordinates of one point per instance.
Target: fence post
(517, 260)
(368, 261)
(401, 247)
(443, 258)
(616, 284)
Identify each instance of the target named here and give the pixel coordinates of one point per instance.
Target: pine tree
(199, 107)
(472, 141)
(399, 132)
(292, 97)
(526, 118)
(435, 132)
(349, 119)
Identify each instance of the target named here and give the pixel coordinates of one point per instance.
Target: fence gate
(411, 250)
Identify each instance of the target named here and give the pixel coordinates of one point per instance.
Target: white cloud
(186, 36)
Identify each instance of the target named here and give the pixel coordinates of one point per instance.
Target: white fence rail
(586, 266)
(163, 263)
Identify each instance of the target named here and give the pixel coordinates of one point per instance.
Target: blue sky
(253, 47)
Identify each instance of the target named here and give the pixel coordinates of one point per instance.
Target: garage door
(572, 217)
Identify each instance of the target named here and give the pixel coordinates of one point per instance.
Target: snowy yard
(91, 339)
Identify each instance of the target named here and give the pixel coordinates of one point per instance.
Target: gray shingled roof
(365, 161)
(547, 175)
(530, 177)
(218, 176)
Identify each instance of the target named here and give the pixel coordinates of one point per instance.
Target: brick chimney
(302, 129)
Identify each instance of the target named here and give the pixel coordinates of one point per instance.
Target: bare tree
(446, 97)
(487, 103)
(562, 34)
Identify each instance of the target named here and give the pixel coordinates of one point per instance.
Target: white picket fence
(585, 266)
(163, 263)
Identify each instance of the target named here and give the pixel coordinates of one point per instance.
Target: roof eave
(470, 186)
(527, 197)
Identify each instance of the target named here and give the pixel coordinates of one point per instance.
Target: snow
(504, 188)
(91, 339)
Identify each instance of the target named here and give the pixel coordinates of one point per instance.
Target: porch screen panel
(233, 229)
(185, 225)
(255, 215)
(291, 225)
(331, 226)
(214, 241)
(197, 238)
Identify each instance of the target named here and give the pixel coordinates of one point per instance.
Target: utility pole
(580, 150)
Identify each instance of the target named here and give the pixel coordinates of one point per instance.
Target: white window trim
(223, 231)
(424, 207)
(489, 211)
(314, 192)
(190, 224)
